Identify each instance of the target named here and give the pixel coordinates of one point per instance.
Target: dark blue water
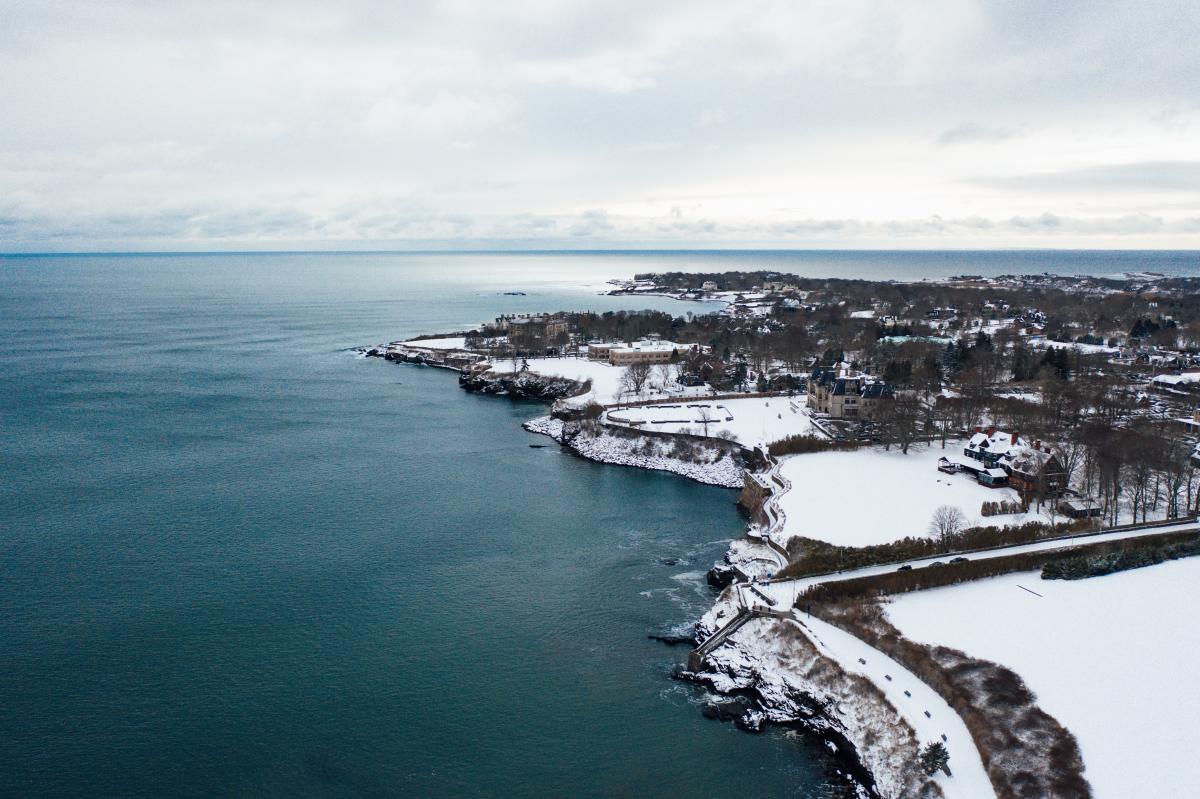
(237, 560)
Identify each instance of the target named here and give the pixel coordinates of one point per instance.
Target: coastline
(754, 682)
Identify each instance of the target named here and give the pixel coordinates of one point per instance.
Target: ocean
(238, 560)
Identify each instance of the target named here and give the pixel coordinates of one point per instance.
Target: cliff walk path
(923, 708)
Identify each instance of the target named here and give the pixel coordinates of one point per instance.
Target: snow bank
(749, 421)
(1113, 658)
(870, 496)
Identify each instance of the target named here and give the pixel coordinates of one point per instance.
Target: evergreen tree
(934, 758)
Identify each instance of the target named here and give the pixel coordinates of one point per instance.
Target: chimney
(978, 429)
(991, 430)
(1015, 438)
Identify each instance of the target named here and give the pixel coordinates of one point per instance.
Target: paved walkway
(787, 589)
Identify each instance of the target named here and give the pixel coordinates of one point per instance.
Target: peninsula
(915, 460)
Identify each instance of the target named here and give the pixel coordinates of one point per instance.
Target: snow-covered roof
(998, 442)
(1027, 460)
(648, 346)
(1174, 380)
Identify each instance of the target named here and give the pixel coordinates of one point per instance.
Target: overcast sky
(243, 124)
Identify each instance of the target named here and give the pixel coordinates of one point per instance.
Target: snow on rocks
(643, 452)
(793, 682)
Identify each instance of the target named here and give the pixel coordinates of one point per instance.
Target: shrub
(899, 582)
(802, 444)
(1002, 508)
(1079, 568)
(820, 557)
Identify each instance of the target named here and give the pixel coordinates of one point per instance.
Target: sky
(553, 124)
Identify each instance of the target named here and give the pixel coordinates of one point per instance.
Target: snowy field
(606, 379)
(447, 343)
(1113, 658)
(1086, 349)
(870, 496)
(749, 421)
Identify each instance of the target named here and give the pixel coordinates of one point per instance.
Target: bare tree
(947, 521)
(667, 373)
(706, 418)
(635, 377)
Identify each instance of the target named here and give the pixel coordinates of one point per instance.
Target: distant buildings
(648, 350)
(941, 314)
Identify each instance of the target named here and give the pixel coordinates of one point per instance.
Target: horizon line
(598, 251)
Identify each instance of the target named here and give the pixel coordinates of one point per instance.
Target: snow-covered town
(961, 495)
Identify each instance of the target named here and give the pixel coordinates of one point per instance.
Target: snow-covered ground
(786, 591)
(870, 496)
(913, 699)
(748, 421)
(776, 660)
(606, 379)
(1086, 349)
(779, 658)
(446, 343)
(1113, 658)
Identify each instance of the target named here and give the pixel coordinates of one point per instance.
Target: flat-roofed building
(644, 352)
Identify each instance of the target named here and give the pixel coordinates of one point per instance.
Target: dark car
(936, 563)
(905, 568)
(958, 560)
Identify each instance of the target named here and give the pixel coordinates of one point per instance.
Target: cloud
(403, 224)
(969, 133)
(1143, 175)
(238, 122)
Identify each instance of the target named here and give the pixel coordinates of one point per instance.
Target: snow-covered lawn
(750, 421)
(1086, 349)
(447, 343)
(870, 496)
(1114, 659)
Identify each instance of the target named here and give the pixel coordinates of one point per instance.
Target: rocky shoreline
(725, 472)
(769, 673)
(758, 682)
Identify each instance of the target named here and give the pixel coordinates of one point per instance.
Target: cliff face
(522, 386)
(752, 497)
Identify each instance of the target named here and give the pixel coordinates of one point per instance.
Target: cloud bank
(220, 125)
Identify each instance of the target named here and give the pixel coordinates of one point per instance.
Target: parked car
(905, 568)
(958, 560)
